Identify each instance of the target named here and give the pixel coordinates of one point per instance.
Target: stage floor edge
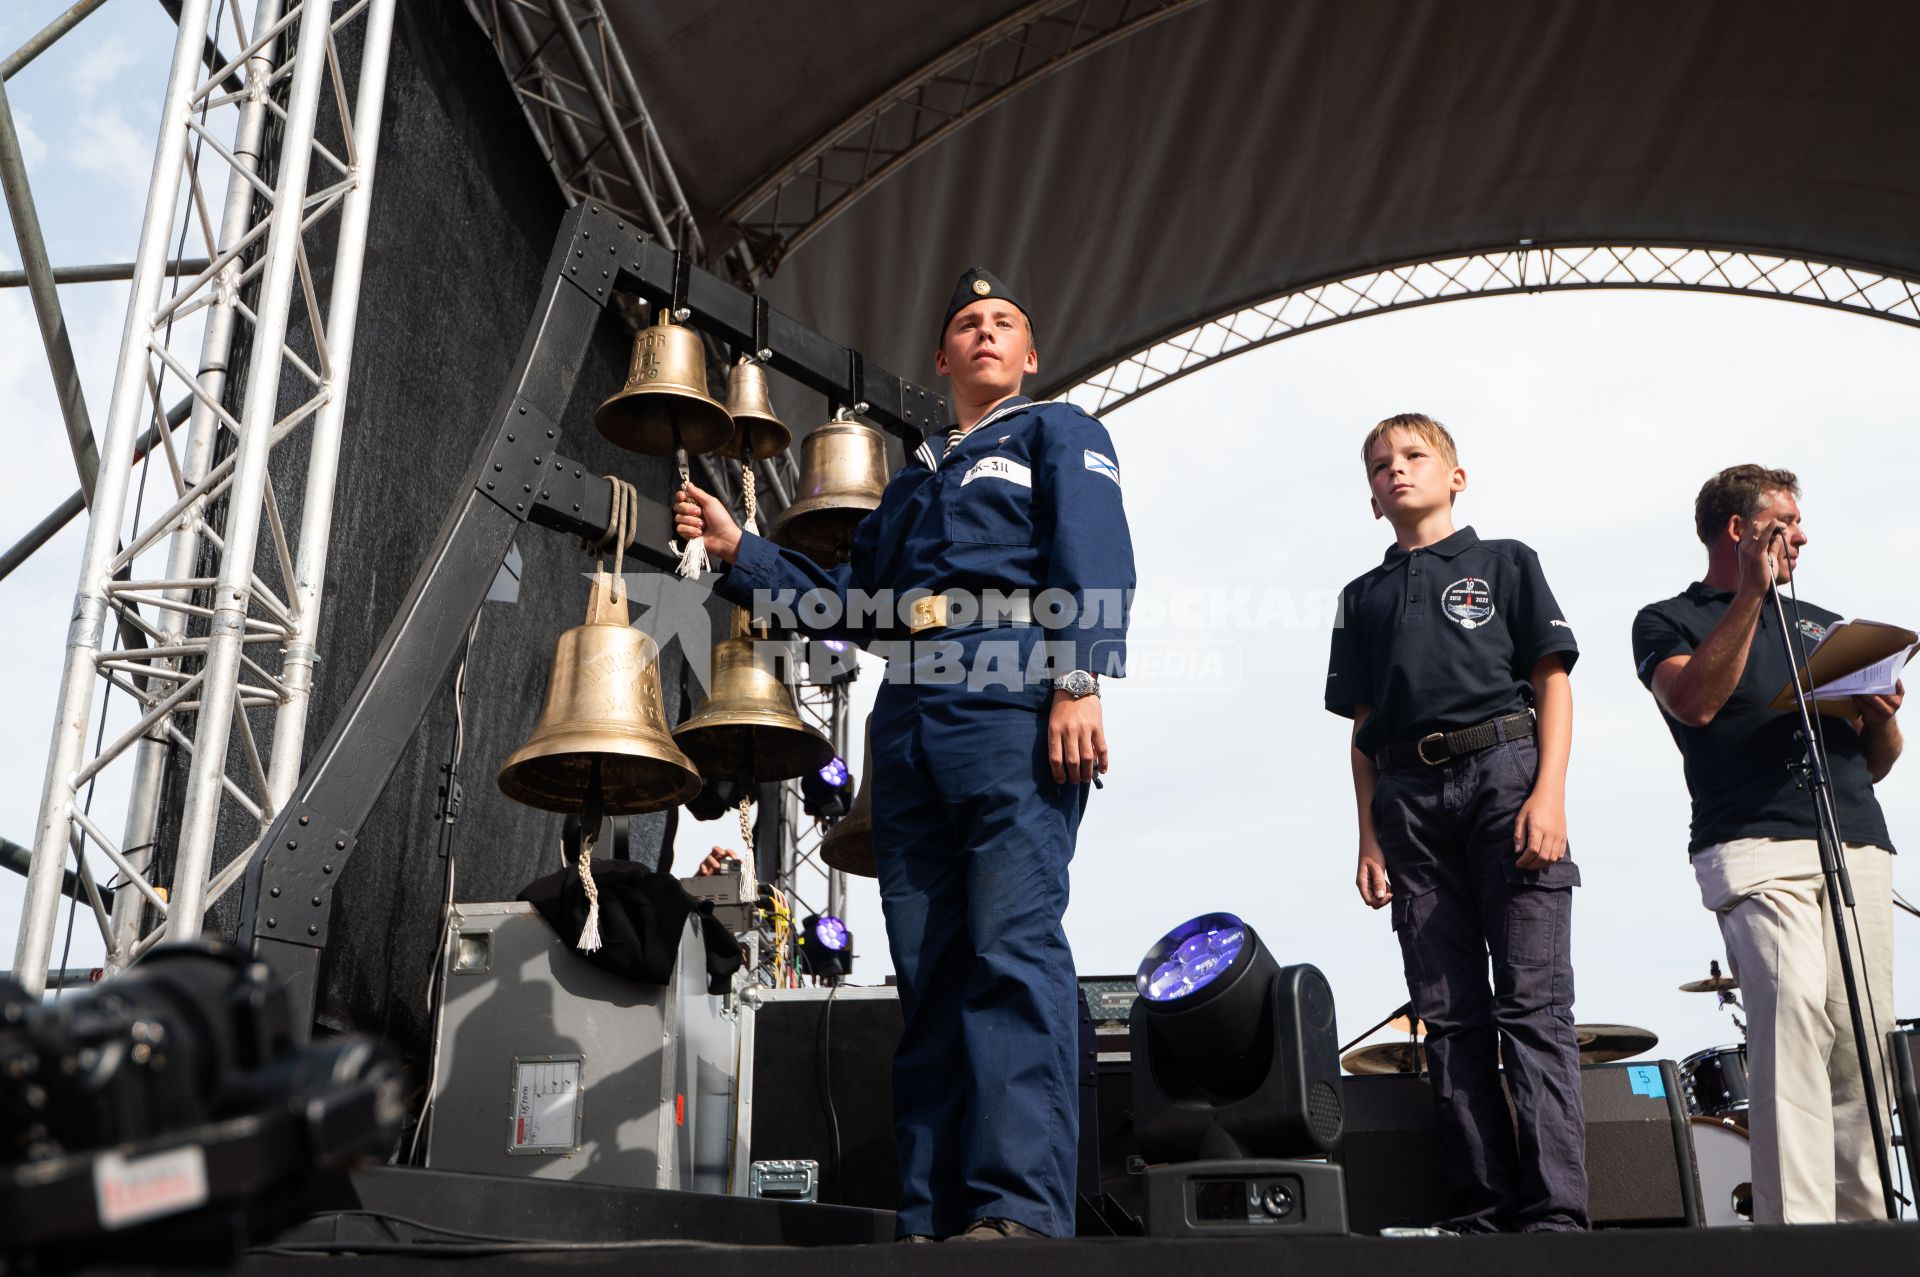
(731, 1235)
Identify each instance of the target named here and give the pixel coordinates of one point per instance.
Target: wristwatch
(1077, 684)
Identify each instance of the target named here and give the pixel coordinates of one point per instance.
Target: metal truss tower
(210, 632)
(1523, 268)
(809, 884)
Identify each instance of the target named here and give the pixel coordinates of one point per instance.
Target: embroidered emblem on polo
(999, 468)
(1101, 463)
(1468, 601)
(1813, 629)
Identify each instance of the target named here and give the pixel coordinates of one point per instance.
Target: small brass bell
(848, 846)
(603, 703)
(754, 424)
(747, 729)
(665, 404)
(843, 472)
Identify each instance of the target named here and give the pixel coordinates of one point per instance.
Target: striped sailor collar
(937, 447)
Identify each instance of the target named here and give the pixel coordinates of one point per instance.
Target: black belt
(1436, 748)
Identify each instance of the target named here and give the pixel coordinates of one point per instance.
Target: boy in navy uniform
(986, 735)
(1443, 657)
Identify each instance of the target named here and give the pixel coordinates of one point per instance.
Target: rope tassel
(693, 555)
(589, 941)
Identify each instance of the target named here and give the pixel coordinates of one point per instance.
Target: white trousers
(1813, 1159)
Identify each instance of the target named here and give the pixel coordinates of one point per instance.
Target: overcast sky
(1586, 423)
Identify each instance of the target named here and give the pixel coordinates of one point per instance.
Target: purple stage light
(1202, 949)
(831, 932)
(835, 773)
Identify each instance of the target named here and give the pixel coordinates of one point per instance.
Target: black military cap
(977, 284)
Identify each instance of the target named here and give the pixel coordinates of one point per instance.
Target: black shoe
(993, 1229)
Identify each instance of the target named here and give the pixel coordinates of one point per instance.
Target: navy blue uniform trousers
(1458, 901)
(972, 840)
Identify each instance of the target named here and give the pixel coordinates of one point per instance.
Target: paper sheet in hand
(1853, 658)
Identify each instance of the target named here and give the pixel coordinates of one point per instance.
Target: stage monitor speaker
(1250, 1198)
(1640, 1167)
(818, 1065)
(820, 1083)
(1903, 1052)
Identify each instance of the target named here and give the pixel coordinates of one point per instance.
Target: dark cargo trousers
(1458, 901)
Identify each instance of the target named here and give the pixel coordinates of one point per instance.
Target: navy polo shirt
(1443, 637)
(1740, 767)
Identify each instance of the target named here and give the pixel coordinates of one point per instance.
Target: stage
(606, 1230)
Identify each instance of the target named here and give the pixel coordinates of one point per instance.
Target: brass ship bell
(848, 846)
(664, 405)
(757, 432)
(747, 729)
(843, 472)
(604, 720)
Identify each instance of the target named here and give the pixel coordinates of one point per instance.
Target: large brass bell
(757, 432)
(843, 472)
(604, 705)
(665, 404)
(747, 729)
(848, 846)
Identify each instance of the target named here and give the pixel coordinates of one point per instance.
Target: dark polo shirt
(1443, 637)
(1740, 767)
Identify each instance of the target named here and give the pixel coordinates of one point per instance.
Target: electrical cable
(436, 999)
(824, 1064)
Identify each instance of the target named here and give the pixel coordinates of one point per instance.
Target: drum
(1725, 1162)
(1716, 1082)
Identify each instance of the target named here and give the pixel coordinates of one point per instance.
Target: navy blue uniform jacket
(1029, 500)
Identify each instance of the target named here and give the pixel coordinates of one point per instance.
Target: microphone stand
(1833, 865)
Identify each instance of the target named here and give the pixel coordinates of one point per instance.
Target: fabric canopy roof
(1239, 149)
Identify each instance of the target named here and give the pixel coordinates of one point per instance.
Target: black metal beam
(209, 53)
(613, 253)
(518, 475)
(17, 858)
(63, 514)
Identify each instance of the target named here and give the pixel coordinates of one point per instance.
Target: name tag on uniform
(1101, 463)
(999, 468)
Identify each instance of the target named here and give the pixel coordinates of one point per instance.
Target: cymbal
(1385, 1057)
(1605, 1043)
(1712, 984)
(1405, 1025)
(1599, 1044)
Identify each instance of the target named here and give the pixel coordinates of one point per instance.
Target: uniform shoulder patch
(1101, 463)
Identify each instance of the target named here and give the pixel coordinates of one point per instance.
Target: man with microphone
(1713, 659)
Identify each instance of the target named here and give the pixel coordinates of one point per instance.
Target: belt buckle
(1420, 749)
(929, 613)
